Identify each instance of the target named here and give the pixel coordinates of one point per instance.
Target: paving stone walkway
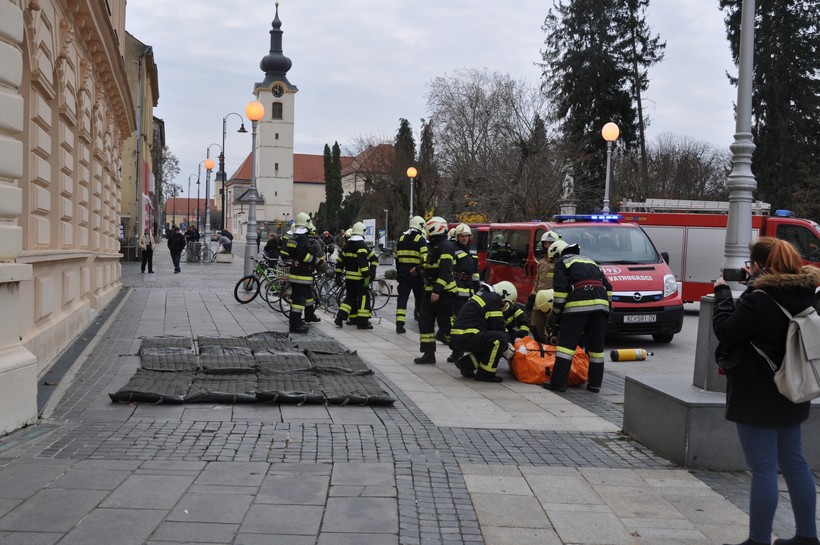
(453, 461)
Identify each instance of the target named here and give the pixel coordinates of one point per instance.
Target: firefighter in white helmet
(583, 300)
(480, 329)
(439, 291)
(465, 273)
(357, 263)
(411, 255)
(300, 276)
(544, 274)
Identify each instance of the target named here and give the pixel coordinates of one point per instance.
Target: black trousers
(408, 284)
(486, 346)
(592, 325)
(301, 299)
(148, 258)
(432, 314)
(356, 302)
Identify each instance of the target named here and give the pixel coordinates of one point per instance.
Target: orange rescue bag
(533, 363)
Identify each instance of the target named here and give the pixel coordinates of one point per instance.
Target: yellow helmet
(507, 291)
(463, 229)
(544, 300)
(348, 233)
(302, 220)
(358, 228)
(556, 249)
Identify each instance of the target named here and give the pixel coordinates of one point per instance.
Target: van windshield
(610, 243)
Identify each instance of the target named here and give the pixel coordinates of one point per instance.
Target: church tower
(274, 152)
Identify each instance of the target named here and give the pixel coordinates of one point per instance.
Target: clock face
(278, 90)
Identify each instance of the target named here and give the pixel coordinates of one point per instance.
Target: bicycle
(380, 293)
(251, 285)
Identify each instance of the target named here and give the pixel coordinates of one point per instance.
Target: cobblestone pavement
(517, 464)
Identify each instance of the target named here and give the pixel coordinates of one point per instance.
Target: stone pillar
(18, 366)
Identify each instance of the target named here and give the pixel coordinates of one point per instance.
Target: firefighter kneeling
(480, 329)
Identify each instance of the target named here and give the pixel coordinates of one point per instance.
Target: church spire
(275, 64)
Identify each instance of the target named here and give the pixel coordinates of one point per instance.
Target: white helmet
(417, 223)
(507, 291)
(436, 226)
(348, 233)
(463, 229)
(358, 228)
(556, 249)
(550, 236)
(544, 300)
(451, 234)
(302, 220)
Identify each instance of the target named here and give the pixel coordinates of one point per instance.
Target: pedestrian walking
(768, 424)
(411, 255)
(583, 298)
(176, 244)
(480, 329)
(147, 244)
(439, 291)
(302, 263)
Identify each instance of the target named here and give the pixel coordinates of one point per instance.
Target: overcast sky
(360, 65)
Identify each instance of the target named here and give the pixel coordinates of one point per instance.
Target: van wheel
(663, 338)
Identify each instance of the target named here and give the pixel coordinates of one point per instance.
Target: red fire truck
(693, 233)
(645, 296)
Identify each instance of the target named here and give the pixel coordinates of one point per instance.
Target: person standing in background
(147, 244)
(176, 243)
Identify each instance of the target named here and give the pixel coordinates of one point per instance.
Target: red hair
(777, 255)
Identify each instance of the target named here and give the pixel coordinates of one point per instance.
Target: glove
(366, 281)
(552, 320)
(509, 352)
(520, 334)
(530, 304)
(340, 279)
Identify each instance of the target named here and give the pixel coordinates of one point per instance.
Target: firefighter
(439, 291)
(544, 275)
(539, 328)
(411, 254)
(357, 263)
(302, 263)
(481, 329)
(517, 321)
(283, 247)
(465, 273)
(583, 300)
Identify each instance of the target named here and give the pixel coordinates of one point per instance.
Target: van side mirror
(665, 256)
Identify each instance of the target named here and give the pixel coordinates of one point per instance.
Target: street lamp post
(188, 199)
(254, 111)
(197, 204)
(385, 225)
(610, 133)
(221, 173)
(412, 173)
(209, 166)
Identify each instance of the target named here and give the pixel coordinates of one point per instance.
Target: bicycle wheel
(273, 292)
(206, 255)
(285, 299)
(246, 289)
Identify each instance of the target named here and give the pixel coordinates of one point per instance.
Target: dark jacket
(752, 397)
(302, 261)
(465, 270)
(481, 312)
(176, 242)
(438, 271)
(580, 286)
(356, 261)
(271, 249)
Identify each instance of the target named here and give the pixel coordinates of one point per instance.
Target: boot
(400, 328)
(466, 366)
(364, 324)
(301, 328)
(296, 323)
(426, 358)
(797, 540)
(593, 389)
(485, 376)
(554, 387)
(751, 541)
(338, 321)
(455, 356)
(351, 322)
(312, 318)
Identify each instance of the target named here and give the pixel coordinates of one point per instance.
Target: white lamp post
(254, 111)
(209, 166)
(610, 133)
(412, 173)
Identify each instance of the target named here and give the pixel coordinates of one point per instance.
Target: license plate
(640, 318)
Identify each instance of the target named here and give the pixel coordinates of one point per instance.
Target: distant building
(67, 111)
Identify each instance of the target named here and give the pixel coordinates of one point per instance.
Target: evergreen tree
(334, 188)
(427, 181)
(595, 60)
(404, 147)
(785, 100)
(324, 218)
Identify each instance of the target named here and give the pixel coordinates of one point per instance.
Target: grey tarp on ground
(298, 387)
(345, 389)
(346, 363)
(269, 364)
(155, 387)
(219, 364)
(236, 388)
(175, 361)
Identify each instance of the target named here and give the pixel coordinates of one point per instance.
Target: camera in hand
(735, 275)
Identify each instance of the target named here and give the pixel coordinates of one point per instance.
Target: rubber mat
(353, 390)
(218, 364)
(173, 362)
(282, 363)
(222, 389)
(323, 346)
(289, 388)
(219, 350)
(155, 387)
(273, 347)
(206, 340)
(345, 363)
(167, 342)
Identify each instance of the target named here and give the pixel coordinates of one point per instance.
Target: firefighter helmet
(436, 226)
(302, 220)
(556, 250)
(358, 228)
(550, 236)
(463, 229)
(507, 291)
(451, 234)
(544, 300)
(417, 223)
(348, 233)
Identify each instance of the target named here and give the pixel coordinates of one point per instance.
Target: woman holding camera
(768, 424)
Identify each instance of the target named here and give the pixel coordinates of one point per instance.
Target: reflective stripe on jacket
(580, 286)
(438, 273)
(411, 250)
(481, 312)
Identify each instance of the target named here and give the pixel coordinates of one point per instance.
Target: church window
(276, 111)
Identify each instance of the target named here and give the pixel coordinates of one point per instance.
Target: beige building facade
(65, 113)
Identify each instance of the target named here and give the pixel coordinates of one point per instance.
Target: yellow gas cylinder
(630, 354)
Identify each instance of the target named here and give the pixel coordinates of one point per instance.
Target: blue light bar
(588, 217)
(784, 213)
